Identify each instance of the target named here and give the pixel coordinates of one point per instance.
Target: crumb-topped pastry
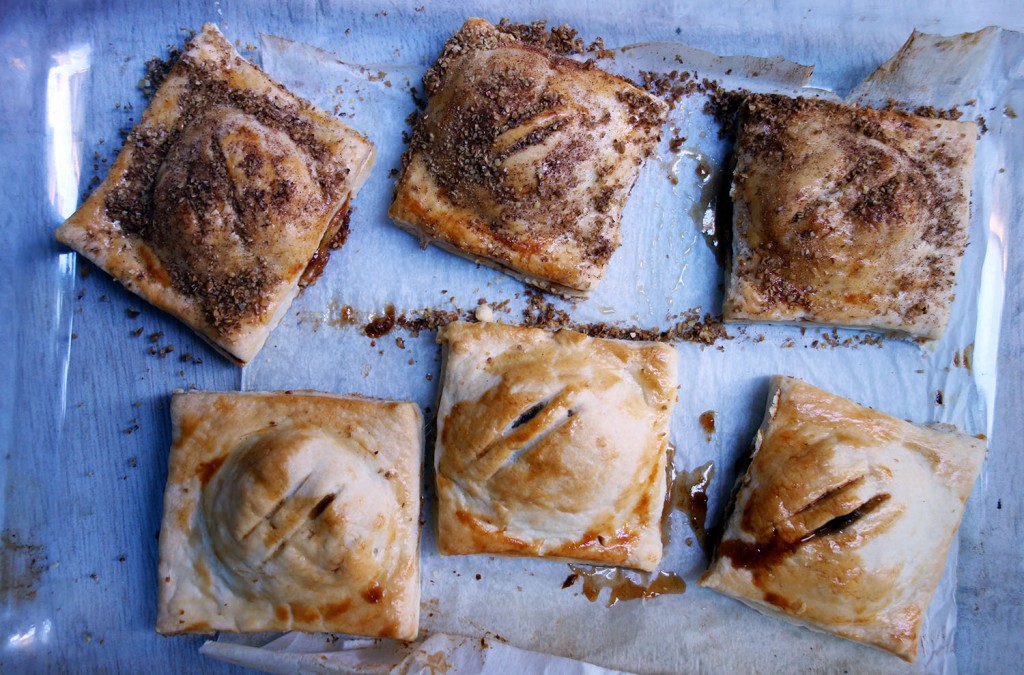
(845, 517)
(291, 511)
(225, 199)
(552, 444)
(847, 216)
(523, 159)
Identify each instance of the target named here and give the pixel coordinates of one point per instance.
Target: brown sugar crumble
(158, 68)
(674, 85)
(688, 326)
(558, 40)
(562, 39)
(463, 147)
(227, 299)
(428, 319)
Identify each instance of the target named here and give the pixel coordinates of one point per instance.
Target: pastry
(552, 444)
(225, 199)
(847, 216)
(523, 159)
(844, 518)
(291, 511)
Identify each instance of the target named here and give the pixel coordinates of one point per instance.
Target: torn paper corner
(938, 70)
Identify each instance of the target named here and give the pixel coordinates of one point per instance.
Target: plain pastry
(552, 444)
(291, 511)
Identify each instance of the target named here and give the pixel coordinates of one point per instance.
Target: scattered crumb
(689, 326)
(157, 70)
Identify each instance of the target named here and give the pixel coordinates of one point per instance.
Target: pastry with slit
(844, 518)
(225, 200)
(847, 216)
(552, 444)
(291, 511)
(523, 159)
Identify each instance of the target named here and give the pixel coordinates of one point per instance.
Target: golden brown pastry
(848, 216)
(552, 444)
(291, 511)
(225, 199)
(524, 159)
(845, 516)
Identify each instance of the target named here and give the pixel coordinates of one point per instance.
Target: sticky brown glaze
(707, 423)
(622, 586)
(690, 495)
(844, 517)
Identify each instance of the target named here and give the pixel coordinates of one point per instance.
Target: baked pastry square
(291, 511)
(523, 159)
(844, 518)
(552, 444)
(847, 216)
(225, 199)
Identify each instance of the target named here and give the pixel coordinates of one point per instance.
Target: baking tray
(84, 402)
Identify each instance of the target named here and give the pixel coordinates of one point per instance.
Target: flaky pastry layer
(844, 518)
(225, 198)
(552, 444)
(291, 511)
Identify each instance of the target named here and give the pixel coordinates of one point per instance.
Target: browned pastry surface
(291, 511)
(552, 444)
(524, 159)
(845, 516)
(848, 216)
(222, 197)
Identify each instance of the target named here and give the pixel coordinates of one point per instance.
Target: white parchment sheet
(663, 269)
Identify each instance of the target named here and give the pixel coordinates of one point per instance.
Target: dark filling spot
(528, 415)
(840, 523)
(321, 506)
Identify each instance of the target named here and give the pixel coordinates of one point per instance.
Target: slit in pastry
(291, 511)
(841, 522)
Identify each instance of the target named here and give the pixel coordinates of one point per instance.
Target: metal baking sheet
(84, 402)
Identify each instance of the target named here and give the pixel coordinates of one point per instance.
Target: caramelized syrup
(690, 495)
(381, 325)
(707, 423)
(624, 584)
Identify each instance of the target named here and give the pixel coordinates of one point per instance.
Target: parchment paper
(663, 269)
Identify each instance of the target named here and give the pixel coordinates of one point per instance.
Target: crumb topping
(541, 149)
(204, 214)
(848, 210)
